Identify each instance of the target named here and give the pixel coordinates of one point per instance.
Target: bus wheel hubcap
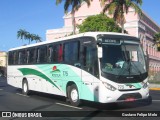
(74, 95)
(25, 87)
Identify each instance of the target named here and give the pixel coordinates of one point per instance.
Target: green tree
(118, 8)
(24, 35)
(99, 23)
(157, 37)
(75, 5)
(157, 40)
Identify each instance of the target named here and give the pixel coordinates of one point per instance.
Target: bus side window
(38, 56)
(87, 59)
(41, 54)
(57, 53)
(21, 57)
(15, 57)
(60, 53)
(32, 56)
(90, 61)
(50, 54)
(71, 53)
(28, 55)
(25, 54)
(10, 60)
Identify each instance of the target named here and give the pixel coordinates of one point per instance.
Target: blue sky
(36, 16)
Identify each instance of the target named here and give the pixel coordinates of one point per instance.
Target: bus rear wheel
(73, 95)
(25, 88)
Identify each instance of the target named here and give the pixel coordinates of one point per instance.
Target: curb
(154, 88)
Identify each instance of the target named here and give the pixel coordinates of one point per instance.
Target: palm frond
(117, 8)
(58, 2)
(136, 8)
(138, 2)
(66, 5)
(88, 2)
(75, 5)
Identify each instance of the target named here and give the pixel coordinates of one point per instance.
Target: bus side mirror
(99, 52)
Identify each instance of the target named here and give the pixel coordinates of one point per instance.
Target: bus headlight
(109, 86)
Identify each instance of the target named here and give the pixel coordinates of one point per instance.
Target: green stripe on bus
(29, 71)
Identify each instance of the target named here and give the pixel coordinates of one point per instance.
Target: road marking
(22, 94)
(156, 100)
(69, 106)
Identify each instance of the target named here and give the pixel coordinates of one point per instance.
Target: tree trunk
(73, 22)
(29, 42)
(122, 21)
(122, 25)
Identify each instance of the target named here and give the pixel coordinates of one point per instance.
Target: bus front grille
(129, 89)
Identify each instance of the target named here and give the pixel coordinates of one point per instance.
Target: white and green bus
(95, 66)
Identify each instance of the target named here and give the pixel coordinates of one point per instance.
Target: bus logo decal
(56, 72)
(54, 69)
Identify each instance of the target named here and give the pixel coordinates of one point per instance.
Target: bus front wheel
(25, 88)
(73, 95)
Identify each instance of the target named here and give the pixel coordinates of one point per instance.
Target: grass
(154, 81)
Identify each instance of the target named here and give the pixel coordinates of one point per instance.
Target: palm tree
(23, 34)
(37, 38)
(29, 37)
(118, 8)
(75, 5)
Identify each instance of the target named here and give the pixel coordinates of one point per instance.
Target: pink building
(142, 27)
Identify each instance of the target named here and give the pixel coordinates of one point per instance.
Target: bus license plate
(130, 99)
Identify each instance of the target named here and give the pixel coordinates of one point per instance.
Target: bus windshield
(123, 60)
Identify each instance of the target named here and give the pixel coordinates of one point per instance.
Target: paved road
(11, 99)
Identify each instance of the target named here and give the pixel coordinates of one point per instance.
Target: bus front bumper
(108, 96)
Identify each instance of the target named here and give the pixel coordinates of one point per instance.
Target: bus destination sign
(110, 41)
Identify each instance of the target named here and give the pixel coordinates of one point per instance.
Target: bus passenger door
(88, 71)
